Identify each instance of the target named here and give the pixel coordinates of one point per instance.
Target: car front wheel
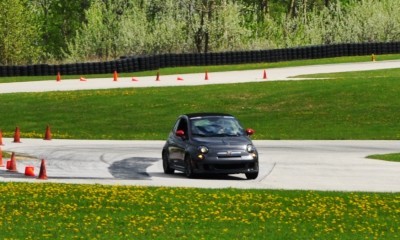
(252, 175)
(167, 168)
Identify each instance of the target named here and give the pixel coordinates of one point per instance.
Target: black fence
(144, 63)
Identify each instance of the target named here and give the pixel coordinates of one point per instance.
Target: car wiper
(199, 134)
(225, 135)
(233, 135)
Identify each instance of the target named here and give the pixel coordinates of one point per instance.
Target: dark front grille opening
(229, 166)
(229, 155)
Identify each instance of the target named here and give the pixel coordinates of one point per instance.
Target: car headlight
(250, 148)
(203, 149)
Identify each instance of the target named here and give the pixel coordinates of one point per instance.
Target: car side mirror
(180, 133)
(249, 132)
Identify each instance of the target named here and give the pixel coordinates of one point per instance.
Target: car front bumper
(225, 166)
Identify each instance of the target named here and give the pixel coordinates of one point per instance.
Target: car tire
(252, 175)
(188, 167)
(166, 167)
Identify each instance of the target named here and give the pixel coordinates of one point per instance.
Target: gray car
(210, 143)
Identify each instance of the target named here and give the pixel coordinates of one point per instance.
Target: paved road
(312, 165)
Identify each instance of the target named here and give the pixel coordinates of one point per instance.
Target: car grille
(229, 166)
(229, 154)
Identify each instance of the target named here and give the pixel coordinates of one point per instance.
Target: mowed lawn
(361, 106)
(348, 106)
(68, 211)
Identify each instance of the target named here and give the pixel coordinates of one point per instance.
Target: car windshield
(216, 126)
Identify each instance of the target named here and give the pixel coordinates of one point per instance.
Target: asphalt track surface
(301, 165)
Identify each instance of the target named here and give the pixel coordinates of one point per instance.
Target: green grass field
(394, 157)
(62, 211)
(364, 106)
(348, 106)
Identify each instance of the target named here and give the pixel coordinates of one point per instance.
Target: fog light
(254, 155)
(200, 156)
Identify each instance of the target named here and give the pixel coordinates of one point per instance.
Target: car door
(178, 142)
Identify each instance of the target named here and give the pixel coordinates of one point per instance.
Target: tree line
(49, 31)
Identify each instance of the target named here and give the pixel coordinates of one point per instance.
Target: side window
(176, 126)
(182, 125)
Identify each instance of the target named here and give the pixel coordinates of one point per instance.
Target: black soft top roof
(192, 115)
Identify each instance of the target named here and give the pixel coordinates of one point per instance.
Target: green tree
(167, 31)
(90, 42)
(19, 34)
(133, 35)
(371, 21)
(213, 25)
(129, 27)
(59, 21)
(112, 29)
(227, 29)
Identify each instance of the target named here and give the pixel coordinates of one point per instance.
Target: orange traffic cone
(42, 172)
(29, 171)
(12, 165)
(1, 158)
(47, 134)
(1, 138)
(134, 79)
(58, 77)
(265, 75)
(82, 79)
(179, 79)
(17, 135)
(158, 76)
(115, 76)
(206, 77)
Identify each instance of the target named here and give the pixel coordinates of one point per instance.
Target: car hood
(222, 141)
